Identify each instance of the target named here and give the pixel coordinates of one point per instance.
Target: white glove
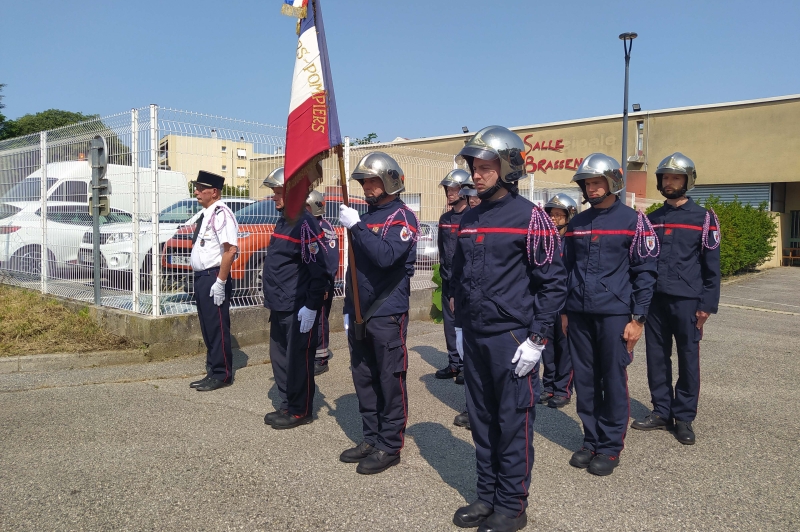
(306, 317)
(218, 292)
(460, 342)
(528, 355)
(346, 321)
(348, 216)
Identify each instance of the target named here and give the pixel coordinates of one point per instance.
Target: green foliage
(436, 298)
(369, 139)
(45, 120)
(747, 234)
(652, 208)
(2, 116)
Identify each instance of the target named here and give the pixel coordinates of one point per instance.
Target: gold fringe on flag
(291, 11)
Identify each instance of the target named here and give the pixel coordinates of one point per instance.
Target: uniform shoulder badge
(650, 242)
(313, 247)
(405, 234)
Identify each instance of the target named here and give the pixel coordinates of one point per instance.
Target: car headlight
(115, 238)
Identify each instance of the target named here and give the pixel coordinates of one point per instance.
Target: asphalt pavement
(134, 448)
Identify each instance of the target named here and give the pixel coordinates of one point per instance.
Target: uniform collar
(485, 205)
(394, 204)
(689, 205)
(210, 209)
(613, 206)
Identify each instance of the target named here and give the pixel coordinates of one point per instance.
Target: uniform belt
(210, 271)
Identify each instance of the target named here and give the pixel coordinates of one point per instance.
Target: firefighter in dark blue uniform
(610, 254)
(294, 279)
(557, 379)
(686, 294)
(316, 206)
(384, 241)
(447, 239)
(509, 284)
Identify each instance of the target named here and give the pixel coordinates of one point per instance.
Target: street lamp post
(627, 42)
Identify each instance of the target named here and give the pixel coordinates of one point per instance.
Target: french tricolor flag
(313, 126)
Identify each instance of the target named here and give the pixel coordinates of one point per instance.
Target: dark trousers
(670, 317)
(557, 363)
(324, 335)
(501, 410)
(450, 332)
(600, 359)
(215, 325)
(379, 363)
(292, 356)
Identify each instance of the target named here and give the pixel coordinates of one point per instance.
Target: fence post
(530, 184)
(156, 263)
(346, 247)
(135, 167)
(44, 254)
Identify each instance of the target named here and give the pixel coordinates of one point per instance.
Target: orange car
(256, 225)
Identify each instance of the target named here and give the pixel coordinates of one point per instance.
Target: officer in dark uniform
(213, 251)
(384, 242)
(448, 236)
(295, 278)
(557, 381)
(316, 206)
(509, 283)
(610, 255)
(686, 294)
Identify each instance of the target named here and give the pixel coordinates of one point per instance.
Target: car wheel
(28, 262)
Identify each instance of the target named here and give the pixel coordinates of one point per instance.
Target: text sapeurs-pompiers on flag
(313, 125)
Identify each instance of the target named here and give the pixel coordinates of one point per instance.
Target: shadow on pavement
(452, 458)
(347, 416)
(240, 359)
(437, 359)
(638, 410)
(558, 427)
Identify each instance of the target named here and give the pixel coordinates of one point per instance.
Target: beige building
(225, 157)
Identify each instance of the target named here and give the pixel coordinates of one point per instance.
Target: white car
(116, 242)
(67, 222)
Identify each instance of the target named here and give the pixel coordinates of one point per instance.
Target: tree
(2, 117)
(45, 120)
(369, 139)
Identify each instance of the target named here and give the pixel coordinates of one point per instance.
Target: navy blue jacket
(295, 270)
(331, 245)
(447, 240)
(611, 263)
(686, 267)
(381, 248)
(496, 285)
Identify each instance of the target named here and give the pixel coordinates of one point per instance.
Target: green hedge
(747, 234)
(436, 298)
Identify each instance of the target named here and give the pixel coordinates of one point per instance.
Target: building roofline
(618, 116)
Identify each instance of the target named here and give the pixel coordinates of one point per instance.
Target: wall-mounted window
(224, 149)
(241, 171)
(224, 167)
(640, 137)
(241, 154)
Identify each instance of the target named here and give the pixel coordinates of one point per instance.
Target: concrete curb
(59, 361)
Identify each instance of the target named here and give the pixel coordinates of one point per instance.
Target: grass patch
(33, 324)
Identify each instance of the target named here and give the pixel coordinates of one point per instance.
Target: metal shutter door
(747, 194)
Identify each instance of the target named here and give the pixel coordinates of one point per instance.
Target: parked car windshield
(260, 212)
(180, 212)
(7, 210)
(79, 215)
(29, 189)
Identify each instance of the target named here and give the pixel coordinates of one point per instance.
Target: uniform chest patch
(715, 234)
(313, 247)
(668, 232)
(650, 242)
(405, 234)
(376, 229)
(330, 235)
(332, 244)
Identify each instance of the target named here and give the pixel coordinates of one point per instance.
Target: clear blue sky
(401, 68)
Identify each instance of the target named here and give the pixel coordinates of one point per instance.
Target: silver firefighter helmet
(562, 201)
(316, 203)
(274, 179)
(379, 164)
(601, 165)
(497, 142)
(456, 178)
(677, 163)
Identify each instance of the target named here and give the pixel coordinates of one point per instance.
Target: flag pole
(351, 258)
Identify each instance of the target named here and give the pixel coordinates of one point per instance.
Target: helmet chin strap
(456, 202)
(674, 195)
(489, 192)
(587, 199)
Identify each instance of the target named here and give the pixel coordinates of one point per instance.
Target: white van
(71, 181)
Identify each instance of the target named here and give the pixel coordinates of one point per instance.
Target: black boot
(684, 432)
(357, 453)
(460, 377)
(651, 422)
(290, 421)
(377, 462)
(498, 522)
(545, 397)
(462, 420)
(603, 465)
(471, 515)
(320, 368)
(272, 416)
(446, 373)
(581, 459)
(200, 382)
(558, 401)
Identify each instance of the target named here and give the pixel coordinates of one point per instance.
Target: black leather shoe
(212, 384)
(377, 462)
(684, 432)
(460, 377)
(446, 373)
(498, 522)
(272, 416)
(319, 369)
(603, 465)
(357, 453)
(462, 420)
(471, 515)
(581, 459)
(558, 401)
(651, 422)
(290, 421)
(195, 384)
(545, 397)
